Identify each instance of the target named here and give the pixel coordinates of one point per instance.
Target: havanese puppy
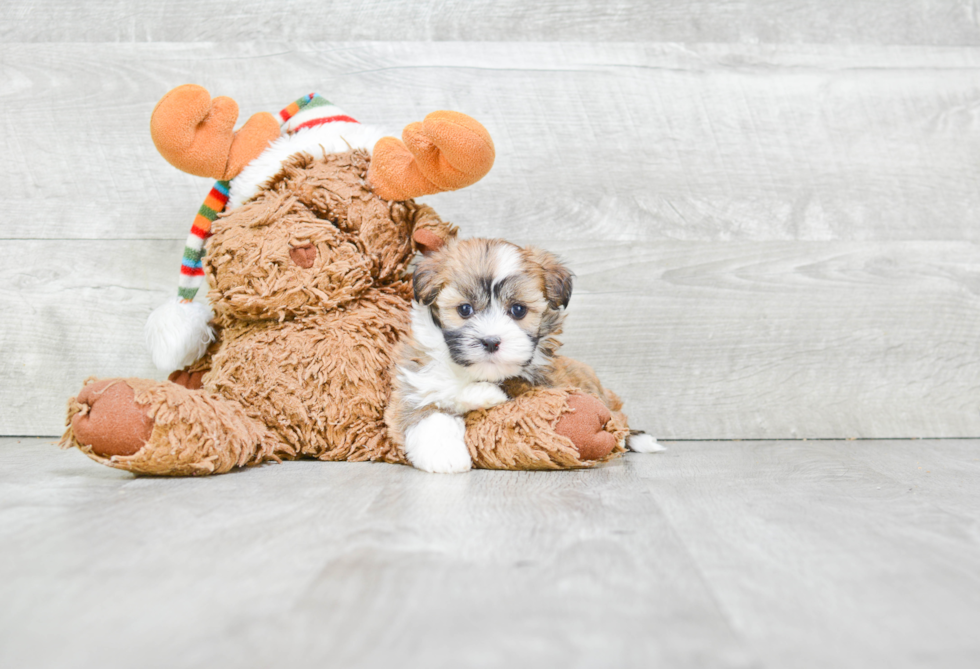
(486, 314)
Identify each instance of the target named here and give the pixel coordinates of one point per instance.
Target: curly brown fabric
(194, 433)
(321, 383)
(520, 434)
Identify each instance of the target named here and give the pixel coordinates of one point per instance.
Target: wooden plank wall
(771, 206)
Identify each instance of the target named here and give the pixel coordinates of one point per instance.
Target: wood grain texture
(812, 340)
(821, 553)
(749, 214)
(70, 311)
(703, 340)
(946, 22)
(761, 555)
(608, 141)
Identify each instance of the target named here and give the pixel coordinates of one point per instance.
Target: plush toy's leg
(152, 427)
(545, 428)
(580, 375)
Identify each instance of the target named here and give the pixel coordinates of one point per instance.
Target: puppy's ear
(425, 284)
(557, 277)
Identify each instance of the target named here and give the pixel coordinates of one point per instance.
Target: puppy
(486, 313)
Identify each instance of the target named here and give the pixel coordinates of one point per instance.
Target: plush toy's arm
(545, 428)
(594, 413)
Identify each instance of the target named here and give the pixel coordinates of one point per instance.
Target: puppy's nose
(491, 344)
(303, 255)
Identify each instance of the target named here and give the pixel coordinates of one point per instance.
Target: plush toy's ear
(196, 134)
(427, 241)
(431, 233)
(446, 151)
(557, 277)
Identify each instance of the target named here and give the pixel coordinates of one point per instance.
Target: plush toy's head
(316, 210)
(315, 238)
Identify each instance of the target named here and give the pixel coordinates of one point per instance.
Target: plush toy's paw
(110, 421)
(435, 444)
(584, 426)
(643, 443)
(162, 428)
(480, 395)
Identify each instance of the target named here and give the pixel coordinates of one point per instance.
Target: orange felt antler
(446, 151)
(196, 134)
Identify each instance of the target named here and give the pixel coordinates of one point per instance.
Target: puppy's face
(494, 303)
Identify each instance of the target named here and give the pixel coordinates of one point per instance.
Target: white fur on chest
(442, 383)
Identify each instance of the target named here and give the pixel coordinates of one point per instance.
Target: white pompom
(177, 334)
(644, 443)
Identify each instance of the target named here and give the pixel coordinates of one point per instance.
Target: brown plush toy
(310, 290)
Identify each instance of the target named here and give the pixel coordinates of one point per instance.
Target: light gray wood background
(771, 206)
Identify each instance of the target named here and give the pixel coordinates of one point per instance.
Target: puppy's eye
(517, 311)
(464, 310)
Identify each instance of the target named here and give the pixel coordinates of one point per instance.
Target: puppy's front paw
(436, 444)
(643, 443)
(481, 395)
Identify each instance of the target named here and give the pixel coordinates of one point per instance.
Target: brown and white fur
(486, 312)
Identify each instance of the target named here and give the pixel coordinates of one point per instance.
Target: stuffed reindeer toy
(306, 241)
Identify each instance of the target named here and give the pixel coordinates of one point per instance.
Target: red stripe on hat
(198, 231)
(218, 195)
(191, 271)
(288, 112)
(320, 121)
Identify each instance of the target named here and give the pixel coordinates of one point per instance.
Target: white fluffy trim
(644, 443)
(335, 137)
(177, 334)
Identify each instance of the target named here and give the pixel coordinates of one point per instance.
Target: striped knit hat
(177, 332)
(307, 112)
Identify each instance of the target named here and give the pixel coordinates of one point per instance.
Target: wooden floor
(714, 554)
